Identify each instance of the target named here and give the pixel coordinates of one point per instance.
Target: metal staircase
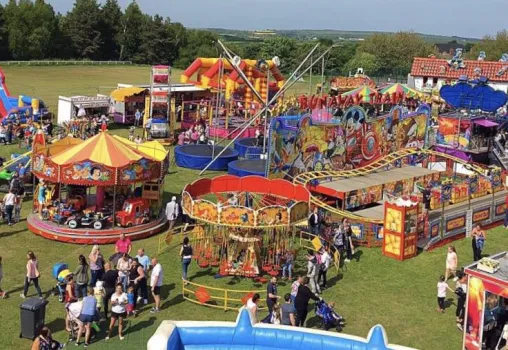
(500, 155)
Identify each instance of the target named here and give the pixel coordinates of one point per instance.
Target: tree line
(32, 30)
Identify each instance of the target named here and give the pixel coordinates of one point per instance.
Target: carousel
(90, 191)
(247, 223)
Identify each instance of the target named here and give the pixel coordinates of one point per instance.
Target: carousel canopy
(152, 149)
(99, 161)
(400, 89)
(364, 91)
(119, 95)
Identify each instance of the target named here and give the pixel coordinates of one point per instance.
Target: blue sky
(446, 17)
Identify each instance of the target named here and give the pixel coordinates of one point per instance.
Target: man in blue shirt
(137, 117)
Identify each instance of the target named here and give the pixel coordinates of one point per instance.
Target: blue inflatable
(199, 156)
(248, 146)
(187, 335)
(247, 167)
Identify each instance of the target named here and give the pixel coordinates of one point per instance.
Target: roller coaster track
(308, 178)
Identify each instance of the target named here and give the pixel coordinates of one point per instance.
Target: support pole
(266, 109)
(114, 205)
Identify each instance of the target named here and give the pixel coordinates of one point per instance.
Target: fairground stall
(486, 318)
(92, 190)
(127, 101)
(91, 106)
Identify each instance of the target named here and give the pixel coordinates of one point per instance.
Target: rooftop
(439, 68)
(501, 276)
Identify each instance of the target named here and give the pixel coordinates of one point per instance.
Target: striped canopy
(102, 160)
(364, 91)
(400, 89)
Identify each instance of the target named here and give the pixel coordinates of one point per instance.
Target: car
(95, 220)
(135, 211)
(159, 129)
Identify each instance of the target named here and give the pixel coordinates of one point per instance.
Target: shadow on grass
(10, 233)
(166, 289)
(314, 322)
(56, 325)
(172, 302)
(140, 325)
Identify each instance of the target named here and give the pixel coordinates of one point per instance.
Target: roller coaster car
(135, 211)
(90, 219)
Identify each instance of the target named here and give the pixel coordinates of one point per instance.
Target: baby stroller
(329, 317)
(60, 273)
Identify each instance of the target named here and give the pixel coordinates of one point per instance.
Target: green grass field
(374, 290)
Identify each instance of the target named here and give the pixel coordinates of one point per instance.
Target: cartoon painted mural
(364, 196)
(206, 210)
(299, 211)
(446, 134)
(272, 216)
(44, 167)
(142, 170)
(187, 203)
(354, 142)
(236, 215)
(87, 172)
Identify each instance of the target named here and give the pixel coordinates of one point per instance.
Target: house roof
(447, 47)
(439, 68)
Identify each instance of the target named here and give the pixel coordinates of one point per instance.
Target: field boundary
(66, 63)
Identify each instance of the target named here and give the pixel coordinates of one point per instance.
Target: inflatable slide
(190, 335)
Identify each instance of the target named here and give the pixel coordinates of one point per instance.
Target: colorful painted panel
(358, 231)
(143, 170)
(88, 173)
(205, 210)
(271, 216)
(392, 244)
(393, 220)
(447, 133)
(187, 203)
(364, 196)
(475, 305)
(298, 212)
(481, 215)
(45, 168)
(456, 223)
(354, 142)
(500, 209)
(237, 216)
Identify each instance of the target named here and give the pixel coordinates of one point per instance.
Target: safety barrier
(166, 239)
(225, 299)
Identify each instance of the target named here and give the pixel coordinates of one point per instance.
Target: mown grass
(374, 290)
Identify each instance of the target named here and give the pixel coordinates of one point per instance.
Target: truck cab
(135, 211)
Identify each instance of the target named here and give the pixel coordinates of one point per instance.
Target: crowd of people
(100, 289)
(197, 134)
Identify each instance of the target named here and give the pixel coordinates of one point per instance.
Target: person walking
(325, 265)
(288, 312)
(9, 202)
(123, 267)
(186, 256)
(348, 234)
(302, 301)
(156, 280)
(81, 277)
(137, 117)
(451, 262)
(172, 212)
(478, 241)
(314, 222)
(32, 275)
(110, 280)
(461, 291)
(118, 302)
(271, 294)
(144, 260)
(96, 265)
(294, 288)
(312, 271)
(87, 316)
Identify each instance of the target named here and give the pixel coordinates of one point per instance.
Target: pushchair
(60, 273)
(329, 317)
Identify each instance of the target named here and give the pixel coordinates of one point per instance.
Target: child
(130, 302)
(17, 209)
(442, 286)
(99, 292)
(3, 293)
(276, 316)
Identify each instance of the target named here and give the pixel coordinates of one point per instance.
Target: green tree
(18, 27)
(494, 47)
(4, 44)
(45, 31)
(282, 47)
(364, 60)
(198, 43)
(395, 52)
(133, 21)
(111, 27)
(82, 26)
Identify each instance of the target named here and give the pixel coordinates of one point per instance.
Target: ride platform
(88, 235)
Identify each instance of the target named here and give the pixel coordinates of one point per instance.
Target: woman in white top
(451, 262)
(252, 306)
(9, 202)
(118, 303)
(123, 266)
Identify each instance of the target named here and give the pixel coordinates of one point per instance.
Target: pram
(60, 273)
(329, 317)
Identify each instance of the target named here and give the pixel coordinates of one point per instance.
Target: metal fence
(66, 63)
